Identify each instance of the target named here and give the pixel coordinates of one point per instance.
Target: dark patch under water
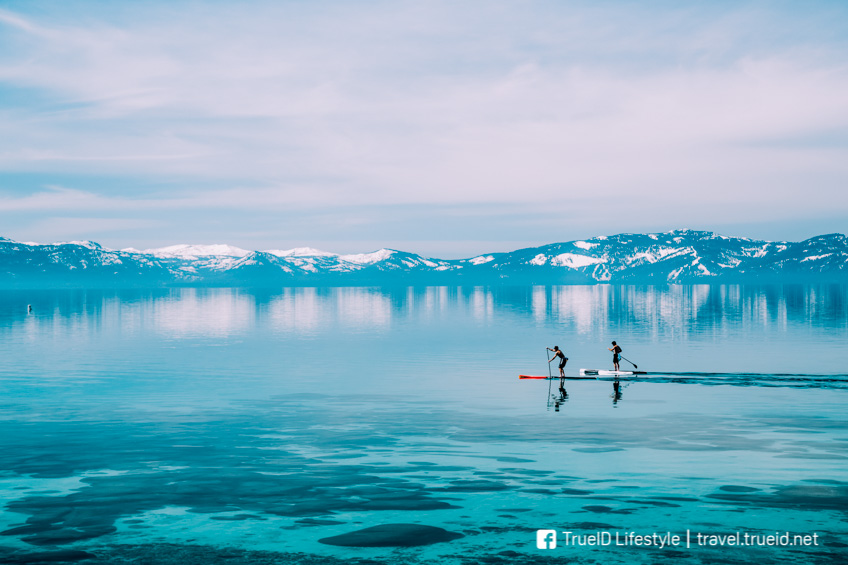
(809, 497)
(392, 535)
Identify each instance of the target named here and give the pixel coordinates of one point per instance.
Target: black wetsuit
(562, 358)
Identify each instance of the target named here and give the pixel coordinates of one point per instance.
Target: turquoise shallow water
(218, 425)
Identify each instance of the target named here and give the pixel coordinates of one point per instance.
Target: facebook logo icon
(546, 539)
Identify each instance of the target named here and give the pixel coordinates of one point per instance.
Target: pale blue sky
(444, 128)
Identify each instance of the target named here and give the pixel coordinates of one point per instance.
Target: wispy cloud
(53, 229)
(70, 199)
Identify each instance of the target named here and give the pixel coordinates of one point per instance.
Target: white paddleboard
(604, 373)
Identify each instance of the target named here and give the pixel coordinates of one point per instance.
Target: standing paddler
(562, 359)
(616, 351)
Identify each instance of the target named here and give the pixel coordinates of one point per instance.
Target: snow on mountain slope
(301, 252)
(191, 251)
(584, 245)
(575, 261)
(481, 259)
(368, 258)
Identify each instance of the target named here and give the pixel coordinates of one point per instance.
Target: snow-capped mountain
(680, 256)
(194, 251)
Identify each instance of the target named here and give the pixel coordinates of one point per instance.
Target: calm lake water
(224, 425)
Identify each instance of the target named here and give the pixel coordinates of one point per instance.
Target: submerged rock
(392, 535)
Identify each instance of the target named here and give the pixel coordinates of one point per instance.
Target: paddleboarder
(562, 359)
(616, 351)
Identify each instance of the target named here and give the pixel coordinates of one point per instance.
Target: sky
(443, 128)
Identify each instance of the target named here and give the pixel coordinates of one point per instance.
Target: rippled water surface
(206, 426)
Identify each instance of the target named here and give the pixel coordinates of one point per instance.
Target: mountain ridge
(679, 256)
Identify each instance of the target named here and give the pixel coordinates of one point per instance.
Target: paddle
(635, 366)
(550, 378)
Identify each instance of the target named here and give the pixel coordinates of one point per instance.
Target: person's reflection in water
(559, 399)
(616, 392)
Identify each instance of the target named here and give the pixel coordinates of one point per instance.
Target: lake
(230, 425)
